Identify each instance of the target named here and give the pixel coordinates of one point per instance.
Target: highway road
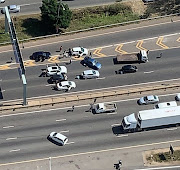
(24, 136)
(32, 6)
(157, 69)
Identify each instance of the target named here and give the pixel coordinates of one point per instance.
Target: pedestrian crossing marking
(4, 67)
(54, 59)
(29, 63)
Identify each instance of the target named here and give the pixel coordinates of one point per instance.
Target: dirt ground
(137, 6)
(148, 153)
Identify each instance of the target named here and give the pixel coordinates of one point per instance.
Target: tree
(55, 15)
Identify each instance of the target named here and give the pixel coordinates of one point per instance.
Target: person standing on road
(60, 48)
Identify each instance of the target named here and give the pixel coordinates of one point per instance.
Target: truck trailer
(140, 57)
(153, 118)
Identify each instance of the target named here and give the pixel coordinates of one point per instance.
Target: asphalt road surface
(24, 136)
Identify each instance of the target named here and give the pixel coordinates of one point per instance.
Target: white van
(165, 105)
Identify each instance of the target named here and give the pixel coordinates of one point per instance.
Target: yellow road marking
(159, 43)
(97, 52)
(119, 50)
(77, 58)
(139, 45)
(29, 63)
(54, 59)
(4, 67)
(178, 39)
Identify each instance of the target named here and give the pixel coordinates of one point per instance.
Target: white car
(149, 99)
(12, 9)
(65, 85)
(56, 70)
(88, 74)
(2, 1)
(59, 138)
(79, 51)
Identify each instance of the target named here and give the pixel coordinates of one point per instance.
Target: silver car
(59, 138)
(2, 1)
(149, 99)
(12, 9)
(89, 74)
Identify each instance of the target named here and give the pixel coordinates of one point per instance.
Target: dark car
(40, 55)
(127, 69)
(91, 62)
(58, 78)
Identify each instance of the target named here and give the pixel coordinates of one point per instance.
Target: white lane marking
(168, 167)
(112, 113)
(96, 35)
(117, 124)
(6, 127)
(172, 129)
(11, 138)
(14, 150)
(3, 90)
(49, 84)
(64, 131)
(100, 78)
(161, 81)
(59, 120)
(120, 136)
(148, 72)
(69, 143)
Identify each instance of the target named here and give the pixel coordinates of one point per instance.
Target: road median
(92, 94)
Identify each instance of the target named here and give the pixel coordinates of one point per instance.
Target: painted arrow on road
(97, 52)
(139, 45)
(159, 43)
(119, 49)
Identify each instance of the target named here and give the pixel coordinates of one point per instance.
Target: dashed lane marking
(6, 127)
(148, 72)
(159, 43)
(113, 113)
(119, 49)
(117, 124)
(172, 129)
(14, 150)
(139, 45)
(69, 143)
(98, 52)
(64, 131)
(60, 120)
(11, 138)
(100, 78)
(120, 136)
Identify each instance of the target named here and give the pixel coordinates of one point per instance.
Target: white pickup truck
(105, 107)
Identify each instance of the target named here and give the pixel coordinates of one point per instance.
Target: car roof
(90, 72)
(77, 49)
(65, 83)
(12, 6)
(61, 136)
(151, 97)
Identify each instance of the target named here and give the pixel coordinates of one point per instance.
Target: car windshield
(94, 72)
(145, 98)
(69, 83)
(82, 49)
(54, 134)
(155, 97)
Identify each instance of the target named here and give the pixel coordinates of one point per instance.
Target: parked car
(79, 51)
(2, 1)
(127, 69)
(59, 138)
(89, 74)
(91, 62)
(12, 9)
(37, 56)
(65, 85)
(55, 70)
(149, 99)
(177, 97)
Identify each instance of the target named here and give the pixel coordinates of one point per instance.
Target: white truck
(154, 118)
(105, 107)
(140, 57)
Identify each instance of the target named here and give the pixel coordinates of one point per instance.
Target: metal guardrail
(87, 95)
(94, 28)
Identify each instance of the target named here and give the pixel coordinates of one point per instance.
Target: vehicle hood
(141, 100)
(98, 65)
(63, 69)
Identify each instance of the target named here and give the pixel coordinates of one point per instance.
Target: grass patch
(29, 26)
(164, 157)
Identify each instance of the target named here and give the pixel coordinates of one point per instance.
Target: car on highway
(91, 62)
(58, 137)
(55, 70)
(65, 85)
(2, 1)
(12, 9)
(89, 74)
(79, 51)
(151, 99)
(177, 97)
(37, 56)
(58, 78)
(127, 69)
